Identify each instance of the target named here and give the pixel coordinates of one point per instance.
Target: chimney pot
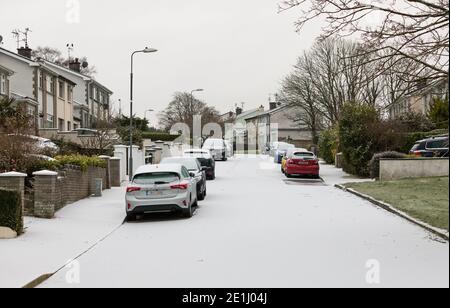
(75, 65)
(238, 111)
(25, 52)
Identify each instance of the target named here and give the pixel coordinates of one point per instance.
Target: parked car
(195, 168)
(302, 163)
(230, 149)
(40, 144)
(431, 147)
(205, 159)
(289, 154)
(281, 149)
(217, 148)
(161, 189)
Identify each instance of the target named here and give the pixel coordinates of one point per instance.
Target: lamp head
(149, 50)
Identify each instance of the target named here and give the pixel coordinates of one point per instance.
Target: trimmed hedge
(374, 164)
(11, 210)
(81, 161)
(159, 136)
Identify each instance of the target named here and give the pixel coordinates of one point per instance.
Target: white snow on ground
(255, 229)
(48, 244)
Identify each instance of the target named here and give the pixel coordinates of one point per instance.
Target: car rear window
(303, 154)
(205, 162)
(156, 178)
(189, 163)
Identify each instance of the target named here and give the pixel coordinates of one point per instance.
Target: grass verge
(425, 199)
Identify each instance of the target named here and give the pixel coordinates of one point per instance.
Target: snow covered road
(256, 229)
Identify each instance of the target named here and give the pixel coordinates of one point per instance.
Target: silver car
(161, 189)
(195, 169)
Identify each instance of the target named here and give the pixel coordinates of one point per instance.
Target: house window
(61, 89)
(70, 94)
(61, 124)
(3, 84)
(41, 80)
(51, 85)
(69, 126)
(49, 121)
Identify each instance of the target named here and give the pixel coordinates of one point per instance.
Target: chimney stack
(25, 52)
(238, 111)
(75, 65)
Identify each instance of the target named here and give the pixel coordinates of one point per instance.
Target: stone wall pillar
(166, 150)
(14, 181)
(158, 155)
(45, 193)
(108, 171)
(115, 172)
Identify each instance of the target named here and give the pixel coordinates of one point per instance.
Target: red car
(302, 163)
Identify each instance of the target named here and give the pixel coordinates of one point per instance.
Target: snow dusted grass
(425, 199)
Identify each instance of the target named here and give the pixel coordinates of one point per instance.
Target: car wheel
(189, 212)
(201, 196)
(131, 217)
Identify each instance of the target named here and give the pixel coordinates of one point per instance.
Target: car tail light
(133, 189)
(181, 186)
(315, 162)
(129, 206)
(418, 153)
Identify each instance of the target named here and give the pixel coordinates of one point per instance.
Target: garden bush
(356, 137)
(81, 161)
(11, 210)
(439, 113)
(329, 145)
(374, 164)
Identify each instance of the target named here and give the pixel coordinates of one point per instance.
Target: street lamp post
(192, 107)
(146, 50)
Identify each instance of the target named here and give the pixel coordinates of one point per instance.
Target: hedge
(159, 136)
(328, 145)
(11, 210)
(81, 161)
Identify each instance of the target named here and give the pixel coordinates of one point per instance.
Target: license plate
(303, 163)
(153, 193)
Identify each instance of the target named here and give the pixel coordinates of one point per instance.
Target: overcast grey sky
(237, 50)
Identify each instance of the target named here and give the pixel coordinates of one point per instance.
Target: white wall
(22, 80)
(394, 169)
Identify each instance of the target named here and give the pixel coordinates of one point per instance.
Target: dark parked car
(431, 147)
(205, 159)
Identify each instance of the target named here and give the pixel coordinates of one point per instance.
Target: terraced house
(60, 98)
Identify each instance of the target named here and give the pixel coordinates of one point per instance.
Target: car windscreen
(156, 178)
(189, 163)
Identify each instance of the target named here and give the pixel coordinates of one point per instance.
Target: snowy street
(256, 229)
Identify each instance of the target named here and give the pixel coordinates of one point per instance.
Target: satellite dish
(85, 64)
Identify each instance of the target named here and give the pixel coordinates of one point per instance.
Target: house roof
(18, 57)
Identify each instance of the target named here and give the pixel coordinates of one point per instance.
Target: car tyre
(131, 217)
(189, 212)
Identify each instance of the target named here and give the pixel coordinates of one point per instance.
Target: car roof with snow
(175, 168)
(294, 150)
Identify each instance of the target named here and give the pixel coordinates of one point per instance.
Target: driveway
(258, 229)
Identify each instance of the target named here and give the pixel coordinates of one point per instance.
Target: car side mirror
(192, 174)
(204, 168)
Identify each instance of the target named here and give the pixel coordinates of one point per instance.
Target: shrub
(155, 136)
(329, 145)
(81, 161)
(374, 164)
(439, 113)
(11, 210)
(42, 164)
(356, 137)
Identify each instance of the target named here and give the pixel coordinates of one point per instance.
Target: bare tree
(56, 56)
(183, 108)
(405, 29)
(299, 93)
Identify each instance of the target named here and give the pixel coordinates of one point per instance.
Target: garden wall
(394, 169)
